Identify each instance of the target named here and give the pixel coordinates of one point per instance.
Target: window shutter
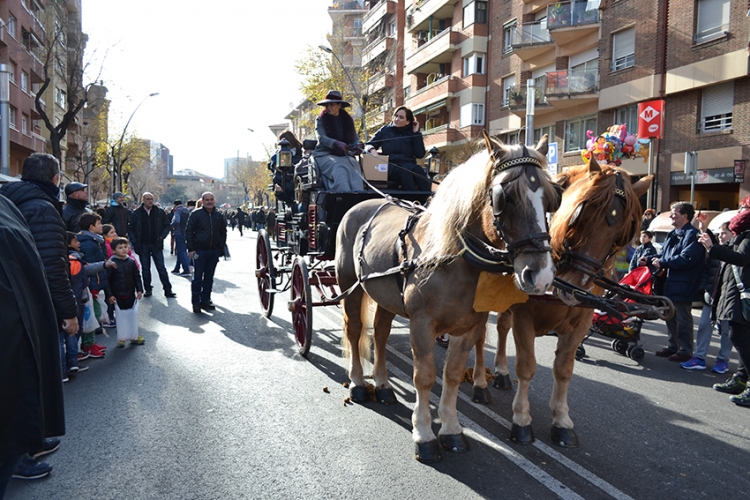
(624, 43)
(466, 115)
(712, 15)
(718, 100)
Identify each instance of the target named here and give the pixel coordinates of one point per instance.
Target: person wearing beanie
(118, 214)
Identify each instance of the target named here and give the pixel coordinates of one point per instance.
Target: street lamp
(117, 166)
(4, 118)
(360, 100)
(433, 162)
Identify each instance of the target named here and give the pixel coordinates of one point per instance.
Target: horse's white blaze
(544, 276)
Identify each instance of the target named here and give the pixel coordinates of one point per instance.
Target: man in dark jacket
(180, 216)
(682, 257)
(118, 214)
(149, 225)
(36, 197)
(206, 236)
(77, 197)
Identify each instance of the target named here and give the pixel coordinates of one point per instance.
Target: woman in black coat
(402, 142)
(727, 305)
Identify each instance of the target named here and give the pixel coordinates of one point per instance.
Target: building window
(12, 71)
(407, 91)
(475, 12)
(713, 20)
(716, 107)
(392, 29)
(24, 81)
(481, 14)
(623, 49)
(539, 132)
(24, 123)
(508, 37)
(575, 132)
(628, 116)
(472, 114)
(12, 117)
(11, 26)
(61, 98)
(474, 64)
(512, 138)
(509, 85)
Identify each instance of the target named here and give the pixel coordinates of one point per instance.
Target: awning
(432, 107)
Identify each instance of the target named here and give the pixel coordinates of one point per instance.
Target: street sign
(739, 170)
(651, 119)
(552, 158)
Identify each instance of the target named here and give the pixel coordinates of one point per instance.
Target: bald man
(148, 227)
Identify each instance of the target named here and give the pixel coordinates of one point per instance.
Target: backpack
(78, 280)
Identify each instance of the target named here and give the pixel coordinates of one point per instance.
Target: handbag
(744, 295)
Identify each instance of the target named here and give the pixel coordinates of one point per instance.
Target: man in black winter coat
(36, 197)
(77, 197)
(206, 236)
(118, 215)
(149, 225)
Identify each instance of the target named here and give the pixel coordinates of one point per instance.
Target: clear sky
(220, 67)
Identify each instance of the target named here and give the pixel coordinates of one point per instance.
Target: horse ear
(641, 187)
(562, 180)
(490, 144)
(594, 166)
(542, 145)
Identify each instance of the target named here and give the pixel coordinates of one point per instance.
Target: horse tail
(367, 316)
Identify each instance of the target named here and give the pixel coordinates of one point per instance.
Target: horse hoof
(522, 435)
(502, 382)
(481, 395)
(566, 438)
(385, 396)
(359, 394)
(456, 443)
(428, 452)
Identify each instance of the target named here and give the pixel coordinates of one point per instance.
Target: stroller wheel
(580, 352)
(620, 346)
(636, 352)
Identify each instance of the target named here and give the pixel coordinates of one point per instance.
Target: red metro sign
(651, 119)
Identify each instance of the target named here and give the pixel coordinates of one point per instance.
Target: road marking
(479, 433)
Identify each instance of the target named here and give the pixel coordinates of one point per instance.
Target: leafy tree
(254, 177)
(174, 192)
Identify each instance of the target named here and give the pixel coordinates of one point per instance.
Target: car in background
(723, 217)
(662, 225)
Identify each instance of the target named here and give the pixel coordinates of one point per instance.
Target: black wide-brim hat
(334, 96)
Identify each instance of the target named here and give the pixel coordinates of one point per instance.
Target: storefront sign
(739, 170)
(713, 176)
(651, 119)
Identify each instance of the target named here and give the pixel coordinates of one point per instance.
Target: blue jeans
(68, 351)
(180, 250)
(703, 336)
(147, 251)
(204, 265)
(680, 329)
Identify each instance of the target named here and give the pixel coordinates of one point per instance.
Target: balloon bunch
(614, 145)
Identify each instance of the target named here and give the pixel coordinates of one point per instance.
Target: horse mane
(598, 196)
(462, 198)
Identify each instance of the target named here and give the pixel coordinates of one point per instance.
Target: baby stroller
(626, 334)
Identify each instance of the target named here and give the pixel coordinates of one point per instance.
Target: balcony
(373, 50)
(427, 12)
(439, 50)
(530, 40)
(379, 82)
(569, 88)
(569, 21)
(351, 33)
(373, 17)
(343, 7)
(433, 95)
(516, 100)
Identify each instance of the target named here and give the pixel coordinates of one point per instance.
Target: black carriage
(299, 260)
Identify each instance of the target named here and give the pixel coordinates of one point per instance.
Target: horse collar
(518, 161)
(618, 202)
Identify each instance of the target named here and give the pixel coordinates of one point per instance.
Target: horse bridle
(581, 262)
(536, 242)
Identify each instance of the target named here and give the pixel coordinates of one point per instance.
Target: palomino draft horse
(496, 200)
(598, 216)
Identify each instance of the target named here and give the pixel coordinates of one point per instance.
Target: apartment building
(592, 62)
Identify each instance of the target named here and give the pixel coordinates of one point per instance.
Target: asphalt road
(221, 406)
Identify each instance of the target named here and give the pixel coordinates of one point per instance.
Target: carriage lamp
(433, 161)
(284, 155)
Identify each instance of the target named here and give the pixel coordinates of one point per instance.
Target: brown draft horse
(437, 296)
(599, 215)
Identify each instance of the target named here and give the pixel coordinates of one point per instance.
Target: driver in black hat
(77, 196)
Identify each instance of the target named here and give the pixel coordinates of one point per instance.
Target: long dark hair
(293, 142)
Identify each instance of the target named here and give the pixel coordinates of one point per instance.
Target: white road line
(480, 434)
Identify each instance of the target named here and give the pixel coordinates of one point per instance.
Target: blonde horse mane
(463, 196)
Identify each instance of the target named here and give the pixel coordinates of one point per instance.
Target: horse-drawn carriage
(298, 259)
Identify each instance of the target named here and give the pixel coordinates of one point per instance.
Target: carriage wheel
(580, 352)
(620, 346)
(636, 352)
(264, 272)
(301, 306)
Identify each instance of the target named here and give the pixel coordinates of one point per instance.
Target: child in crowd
(109, 233)
(92, 250)
(645, 249)
(125, 288)
(79, 279)
(705, 327)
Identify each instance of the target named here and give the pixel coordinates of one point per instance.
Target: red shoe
(93, 352)
(100, 347)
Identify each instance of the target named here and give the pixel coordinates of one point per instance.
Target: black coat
(31, 394)
(72, 211)
(126, 279)
(42, 214)
(119, 217)
(205, 230)
(727, 304)
(401, 144)
(159, 220)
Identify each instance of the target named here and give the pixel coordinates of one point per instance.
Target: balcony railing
(516, 96)
(531, 33)
(575, 13)
(571, 82)
(344, 5)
